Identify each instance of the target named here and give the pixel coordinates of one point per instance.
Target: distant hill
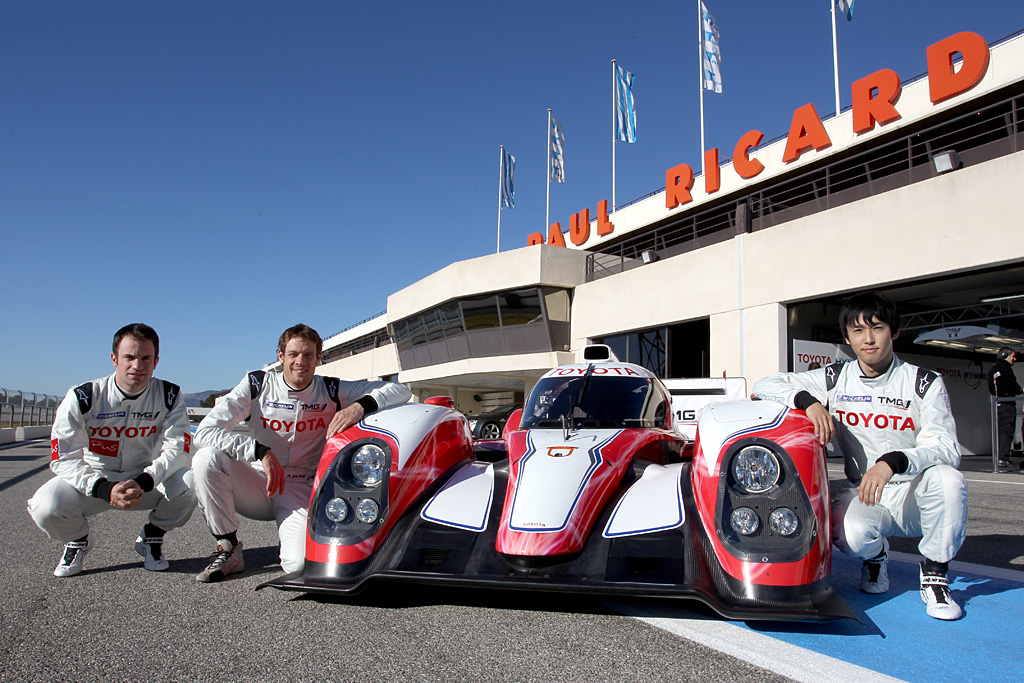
(193, 400)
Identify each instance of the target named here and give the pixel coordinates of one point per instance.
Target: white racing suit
(292, 424)
(100, 435)
(904, 410)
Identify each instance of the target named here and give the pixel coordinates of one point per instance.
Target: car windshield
(607, 403)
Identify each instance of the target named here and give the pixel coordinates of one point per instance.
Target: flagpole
(700, 73)
(835, 55)
(501, 164)
(547, 203)
(614, 110)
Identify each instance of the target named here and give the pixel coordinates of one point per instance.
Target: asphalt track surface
(118, 622)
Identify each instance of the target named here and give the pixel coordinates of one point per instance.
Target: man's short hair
(140, 332)
(1005, 352)
(871, 305)
(302, 332)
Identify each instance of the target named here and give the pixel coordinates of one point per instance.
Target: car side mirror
(513, 422)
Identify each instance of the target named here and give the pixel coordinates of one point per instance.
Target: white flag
(712, 53)
(508, 169)
(625, 112)
(557, 171)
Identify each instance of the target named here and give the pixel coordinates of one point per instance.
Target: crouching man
(268, 473)
(895, 427)
(118, 443)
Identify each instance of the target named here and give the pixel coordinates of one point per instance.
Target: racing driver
(894, 425)
(119, 442)
(268, 473)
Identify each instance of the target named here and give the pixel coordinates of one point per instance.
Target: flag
(846, 7)
(557, 171)
(508, 169)
(625, 113)
(712, 52)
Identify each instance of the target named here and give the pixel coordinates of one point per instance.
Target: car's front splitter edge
(814, 602)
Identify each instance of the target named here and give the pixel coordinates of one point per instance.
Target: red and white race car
(591, 490)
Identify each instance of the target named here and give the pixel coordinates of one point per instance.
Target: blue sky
(224, 170)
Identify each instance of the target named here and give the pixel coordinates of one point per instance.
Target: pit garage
(953, 325)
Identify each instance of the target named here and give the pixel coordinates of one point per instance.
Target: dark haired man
(268, 474)
(1002, 383)
(894, 425)
(119, 442)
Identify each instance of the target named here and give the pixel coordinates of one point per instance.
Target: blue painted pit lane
(897, 637)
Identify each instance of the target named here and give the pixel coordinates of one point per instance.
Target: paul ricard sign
(955, 66)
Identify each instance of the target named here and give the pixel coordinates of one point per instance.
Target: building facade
(913, 191)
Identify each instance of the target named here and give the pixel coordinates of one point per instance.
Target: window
(503, 323)
(645, 348)
(451, 321)
(521, 307)
(480, 312)
(596, 402)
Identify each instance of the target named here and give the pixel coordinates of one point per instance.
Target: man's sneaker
(71, 561)
(935, 594)
(151, 549)
(874, 575)
(1004, 464)
(227, 560)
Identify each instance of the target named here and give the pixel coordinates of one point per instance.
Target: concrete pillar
(766, 333)
(764, 339)
(725, 343)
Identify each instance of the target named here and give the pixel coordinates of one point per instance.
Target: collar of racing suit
(882, 379)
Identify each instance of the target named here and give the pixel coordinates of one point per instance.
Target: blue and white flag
(712, 53)
(508, 169)
(625, 112)
(846, 7)
(557, 171)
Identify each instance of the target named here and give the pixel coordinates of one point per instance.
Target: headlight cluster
(760, 503)
(352, 499)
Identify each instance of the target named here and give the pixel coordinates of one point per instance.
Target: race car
(591, 490)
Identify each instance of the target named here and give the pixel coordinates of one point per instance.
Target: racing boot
(874, 575)
(227, 560)
(74, 554)
(151, 549)
(935, 592)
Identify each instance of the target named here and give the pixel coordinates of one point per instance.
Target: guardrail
(26, 409)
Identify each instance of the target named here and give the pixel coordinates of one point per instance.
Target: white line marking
(752, 647)
(990, 481)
